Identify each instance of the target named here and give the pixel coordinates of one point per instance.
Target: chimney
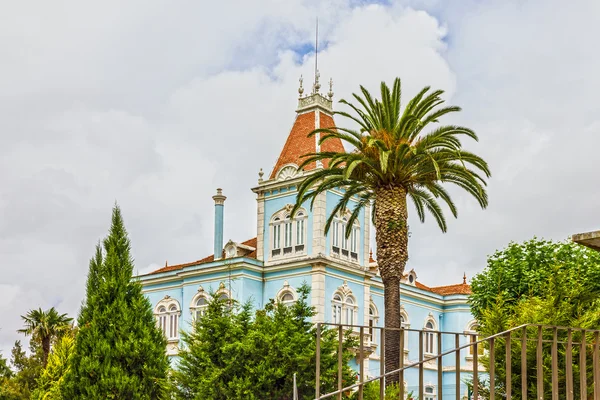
(219, 202)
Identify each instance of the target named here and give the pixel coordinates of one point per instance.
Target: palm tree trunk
(391, 230)
(45, 350)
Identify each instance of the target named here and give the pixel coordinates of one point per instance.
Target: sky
(155, 104)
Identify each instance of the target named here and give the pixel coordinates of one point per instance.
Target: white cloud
(155, 106)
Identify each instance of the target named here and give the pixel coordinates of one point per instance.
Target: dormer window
(342, 246)
(289, 234)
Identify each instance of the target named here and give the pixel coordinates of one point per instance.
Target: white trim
(286, 289)
(167, 312)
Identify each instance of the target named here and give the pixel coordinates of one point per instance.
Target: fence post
(361, 354)
(583, 366)
(569, 364)
(540, 364)
(340, 359)
(492, 370)
(318, 362)
(440, 366)
(382, 364)
(457, 365)
(555, 363)
(524, 363)
(508, 350)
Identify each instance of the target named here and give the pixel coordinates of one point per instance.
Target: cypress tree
(119, 352)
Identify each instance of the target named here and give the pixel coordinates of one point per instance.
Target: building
(286, 252)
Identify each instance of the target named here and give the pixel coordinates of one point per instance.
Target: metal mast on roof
(316, 85)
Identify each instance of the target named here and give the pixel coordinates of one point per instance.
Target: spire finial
(464, 278)
(330, 94)
(316, 85)
(301, 89)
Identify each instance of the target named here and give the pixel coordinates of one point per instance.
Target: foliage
(396, 155)
(52, 378)
(119, 352)
(5, 371)
(371, 392)
(233, 354)
(390, 149)
(21, 382)
(523, 271)
(538, 282)
(44, 326)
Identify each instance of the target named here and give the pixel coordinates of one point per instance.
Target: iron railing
(550, 372)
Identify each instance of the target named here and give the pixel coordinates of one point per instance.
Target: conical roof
(314, 111)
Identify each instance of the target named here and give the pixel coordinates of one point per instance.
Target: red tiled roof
(205, 260)
(461, 288)
(299, 144)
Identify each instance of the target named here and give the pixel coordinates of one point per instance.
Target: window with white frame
(167, 314)
(429, 337)
(429, 392)
(472, 334)
(405, 324)
(344, 307)
(199, 307)
(373, 319)
(342, 246)
(288, 235)
(287, 299)
(337, 305)
(349, 310)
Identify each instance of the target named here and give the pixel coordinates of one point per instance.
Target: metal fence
(526, 362)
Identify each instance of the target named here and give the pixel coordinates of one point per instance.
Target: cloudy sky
(155, 104)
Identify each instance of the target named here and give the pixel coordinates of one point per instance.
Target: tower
(283, 238)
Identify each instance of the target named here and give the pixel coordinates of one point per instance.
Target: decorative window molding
(224, 294)
(342, 246)
(373, 322)
(472, 333)
(287, 295)
(429, 392)
(411, 277)
(167, 313)
(199, 304)
(405, 323)
(288, 235)
(344, 306)
(288, 171)
(430, 342)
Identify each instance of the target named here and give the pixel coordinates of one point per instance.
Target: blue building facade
(286, 252)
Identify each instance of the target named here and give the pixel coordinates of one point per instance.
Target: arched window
(162, 318)
(199, 307)
(167, 314)
(173, 321)
(373, 320)
(337, 304)
(404, 323)
(288, 235)
(344, 306)
(472, 333)
(349, 310)
(430, 337)
(300, 231)
(287, 299)
(429, 392)
(276, 250)
(342, 246)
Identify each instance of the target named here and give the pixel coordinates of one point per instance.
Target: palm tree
(45, 326)
(395, 159)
